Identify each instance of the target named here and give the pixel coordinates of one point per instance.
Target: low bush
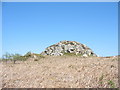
(6, 57)
(13, 57)
(18, 57)
(28, 54)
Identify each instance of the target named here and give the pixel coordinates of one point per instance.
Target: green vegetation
(39, 56)
(101, 79)
(28, 54)
(111, 83)
(18, 57)
(79, 54)
(7, 56)
(91, 55)
(72, 54)
(13, 57)
(33, 55)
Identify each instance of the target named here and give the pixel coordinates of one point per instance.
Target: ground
(61, 72)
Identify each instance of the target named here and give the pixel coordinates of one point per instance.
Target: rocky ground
(61, 72)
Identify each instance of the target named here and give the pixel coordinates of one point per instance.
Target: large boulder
(64, 47)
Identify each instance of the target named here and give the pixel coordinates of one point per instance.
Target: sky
(30, 26)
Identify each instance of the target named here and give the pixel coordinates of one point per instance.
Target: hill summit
(68, 47)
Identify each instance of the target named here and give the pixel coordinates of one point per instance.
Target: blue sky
(34, 26)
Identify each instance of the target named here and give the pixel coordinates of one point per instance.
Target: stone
(44, 53)
(63, 47)
(85, 55)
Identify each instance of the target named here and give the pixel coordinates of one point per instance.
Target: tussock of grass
(111, 83)
(101, 78)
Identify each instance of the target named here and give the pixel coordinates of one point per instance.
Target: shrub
(7, 56)
(18, 57)
(13, 57)
(28, 54)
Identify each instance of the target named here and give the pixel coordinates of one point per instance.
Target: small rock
(85, 55)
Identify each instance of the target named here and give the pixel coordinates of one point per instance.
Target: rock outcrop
(64, 47)
(33, 56)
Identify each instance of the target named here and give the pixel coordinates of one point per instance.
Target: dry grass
(62, 72)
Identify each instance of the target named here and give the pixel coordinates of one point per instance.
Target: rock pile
(64, 47)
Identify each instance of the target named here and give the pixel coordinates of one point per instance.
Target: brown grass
(61, 72)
